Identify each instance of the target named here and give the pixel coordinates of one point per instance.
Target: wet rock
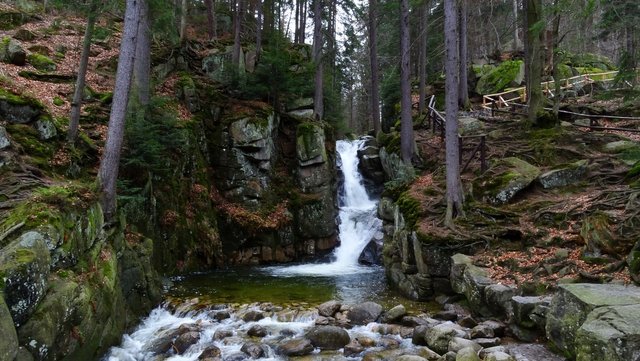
(252, 316)
(610, 333)
(4, 138)
(564, 176)
(221, 315)
(222, 334)
(24, 264)
(295, 347)
(253, 349)
(210, 353)
(386, 209)
(523, 308)
(438, 337)
(427, 353)
(393, 314)
(9, 339)
(364, 313)
(420, 334)
(328, 337)
(467, 354)
(449, 356)
(573, 302)
(236, 356)
(369, 162)
(388, 343)
(257, 331)
(329, 308)
(353, 348)
(185, 340)
(371, 254)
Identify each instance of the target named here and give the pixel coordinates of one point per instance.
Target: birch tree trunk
(373, 55)
(108, 172)
(406, 123)
(76, 103)
(452, 152)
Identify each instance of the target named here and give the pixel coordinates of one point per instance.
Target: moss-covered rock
(12, 19)
(17, 109)
(508, 73)
(310, 148)
(9, 339)
(508, 177)
(589, 60)
(11, 52)
(564, 176)
(610, 334)
(41, 62)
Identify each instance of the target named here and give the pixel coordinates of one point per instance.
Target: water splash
(358, 222)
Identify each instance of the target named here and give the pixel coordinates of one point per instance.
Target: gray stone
(509, 177)
(295, 347)
(254, 350)
(257, 331)
(572, 303)
(24, 35)
(301, 115)
(619, 146)
(300, 103)
(329, 308)
(11, 52)
(386, 209)
(610, 333)
(532, 352)
(499, 356)
(564, 176)
(364, 313)
(46, 129)
(497, 327)
(458, 343)
(487, 342)
(482, 331)
(410, 358)
(352, 349)
(252, 316)
(185, 340)
(310, 148)
(467, 354)
(328, 337)
(438, 337)
(9, 339)
(470, 126)
(211, 352)
(470, 281)
(371, 254)
(395, 313)
(25, 267)
(4, 138)
(523, 307)
(394, 168)
(523, 333)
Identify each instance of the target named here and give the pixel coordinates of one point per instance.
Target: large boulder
(295, 347)
(364, 313)
(572, 304)
(369, 163)
(24, 265)
(507, 74)
(470, 281)
(564, 176)
(329, 308)
(11, 52)
(328, 337)
(310, 148)
(610, 334)
(505, 180)
(18, 110)
(9, 340)
(371, 254)
(439, 336)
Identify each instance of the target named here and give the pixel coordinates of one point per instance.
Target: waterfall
(357, 216)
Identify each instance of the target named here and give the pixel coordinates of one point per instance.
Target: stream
(223, 303)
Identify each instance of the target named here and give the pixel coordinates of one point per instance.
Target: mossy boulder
(12, 19)
(590, 60)
(610, 334)
(16, 109)
(24, 267)
(41, 62)
(597, 233)
(24, 35)
(504, 180)
(508, 73)
(564, 176)
(572, 304)
(11, 52)
(310, 147)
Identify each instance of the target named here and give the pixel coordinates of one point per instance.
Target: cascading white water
(358, 221)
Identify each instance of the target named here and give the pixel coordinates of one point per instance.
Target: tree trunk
(373, 56)
(237, 29)
(555, 34)
(211, 19)
(76, 103)
(463, 85)
(422, 57)
(183, 21)
(318, 105)
(516, 36)
(534, 59)
(259, 30)
(452, 152)
(296, 31)
(406, 123)
(142, 63)
(303, 32)
(108, 172)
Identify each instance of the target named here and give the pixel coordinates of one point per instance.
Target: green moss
(410, 208)
(24, 255)
(500, 77)
(101, 33)
(41, 62)
(15, 99)
(28, 137)
(57, 101)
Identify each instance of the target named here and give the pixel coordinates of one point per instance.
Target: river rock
(410, 358)
(371, 254)
(210, 353)
(610, 333)
(329, 308)
(439, 336)
(564, 176)
(295, 347)
(482, 331)
(353, 348)
(468, 354)
(24, 264)
(253, 349)
(9, 339)
(532, 352)
(458, 343)
(185, 340)
(393, 314)
(364, 313)
(222, 334)
(487, 342)
(498, 356)
(328, 337)
(505, 180)
(572, 304)
(252, 316)
(257, 331)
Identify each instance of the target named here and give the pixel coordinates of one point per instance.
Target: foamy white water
(358, 221)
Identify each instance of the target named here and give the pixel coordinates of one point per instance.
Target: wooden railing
(515, 95)
(437, 124)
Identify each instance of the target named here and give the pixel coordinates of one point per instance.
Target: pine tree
(406, 122)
